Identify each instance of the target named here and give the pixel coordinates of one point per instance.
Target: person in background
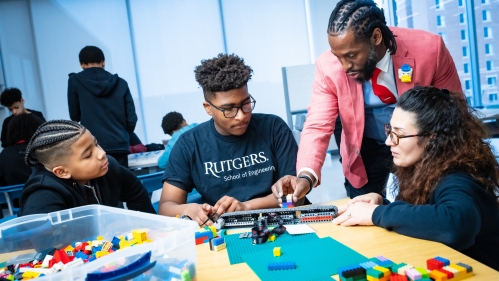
(174, 125)
(12, 98)
(102, 102)
(13, 169)
(446, 176)
(70, 170)
(366, 70)
(136, 145)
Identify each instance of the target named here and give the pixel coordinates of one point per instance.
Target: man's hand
(370, 198)
(359, 213)
(229, 204)
(199, 213)
(290, 185)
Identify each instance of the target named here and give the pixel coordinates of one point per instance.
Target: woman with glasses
(234, 158)
(445, 173)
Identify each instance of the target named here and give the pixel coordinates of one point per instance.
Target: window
(493, 97)
(463, 34)
(440, 20)
(444, 36)
(485, 1)
(485, 15)
(487, 32)
(460, 3)
(465, 51)
(437, 5)
(466, 68)
(492, 81)
(461, 18)
(467, 84)
(490, 65)
(488, 49)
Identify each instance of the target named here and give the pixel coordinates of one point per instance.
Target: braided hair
(361, 17)
(172, 122)
(221, 74)
(52, 141)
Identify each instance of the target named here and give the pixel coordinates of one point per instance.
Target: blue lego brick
(368, 264)
(351, 271)
(218, 241)
(281, 265)
(445, 261)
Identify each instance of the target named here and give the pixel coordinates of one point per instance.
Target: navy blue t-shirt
(244, 167)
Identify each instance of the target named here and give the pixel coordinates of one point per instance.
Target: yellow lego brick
(214, 230)
(101, 254)
(106, 246)
(31, 274)
(124, 244)
(148, 241)
(437, 275)
(272, 238)
(384, 278)
(69, 248)
(100, 237)
(220, 247)
(277, 251)
(122, 237)
(139, 235)
(385, 271)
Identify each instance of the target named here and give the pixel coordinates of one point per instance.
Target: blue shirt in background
(163, 159)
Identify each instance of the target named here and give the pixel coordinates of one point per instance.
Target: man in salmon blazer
(368, 67)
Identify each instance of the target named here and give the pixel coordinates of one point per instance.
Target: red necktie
(381, 91)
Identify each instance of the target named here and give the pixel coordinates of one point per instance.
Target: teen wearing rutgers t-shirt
(233, 159)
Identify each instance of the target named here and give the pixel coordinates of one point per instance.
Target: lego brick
(351, 271)
(468, 268)
(281, 265)
(220, 247)
(449, 274)
(445, 261)
(437, 275)
(398, 278)
(277, 251)
(424, 273)
(374, 273)
(413, 274)
(386, 272)
(367, 265)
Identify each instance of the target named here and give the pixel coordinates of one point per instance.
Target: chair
(152, 181)
(11, 192)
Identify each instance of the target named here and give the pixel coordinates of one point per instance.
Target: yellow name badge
(405, 73)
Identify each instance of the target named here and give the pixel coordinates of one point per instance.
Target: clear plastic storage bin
(172, 243)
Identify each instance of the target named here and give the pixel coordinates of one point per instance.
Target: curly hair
(362, 17)
(172, 122)
(454, 143)
(9, 96)
(222, 73)
(22, 127)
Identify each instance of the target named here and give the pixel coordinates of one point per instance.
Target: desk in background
(370, 241)
(144, 162)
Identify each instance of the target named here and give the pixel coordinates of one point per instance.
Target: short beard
(369, 66)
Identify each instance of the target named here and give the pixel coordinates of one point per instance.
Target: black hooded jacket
(44, 192)
(102, 103)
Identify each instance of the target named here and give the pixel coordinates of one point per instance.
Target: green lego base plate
(316, 258)
(237, 246)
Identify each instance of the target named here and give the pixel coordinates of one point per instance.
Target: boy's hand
(229, 204)
(199, 213)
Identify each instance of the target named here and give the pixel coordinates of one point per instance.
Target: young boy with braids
(233, 159)
(70, 170)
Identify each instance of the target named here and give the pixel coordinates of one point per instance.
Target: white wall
(155, 46)
(62, 28)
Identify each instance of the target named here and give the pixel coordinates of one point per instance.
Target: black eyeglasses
(396, 138)
(232, 112)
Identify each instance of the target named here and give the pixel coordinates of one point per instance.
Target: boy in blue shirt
(174, 125)
(233, 159)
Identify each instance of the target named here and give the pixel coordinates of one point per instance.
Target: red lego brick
(398, 278)
(432, 264)
(448, 273)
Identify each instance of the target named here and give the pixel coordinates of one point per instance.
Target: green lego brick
(424, 272)
(316, 259)
(396, 267)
